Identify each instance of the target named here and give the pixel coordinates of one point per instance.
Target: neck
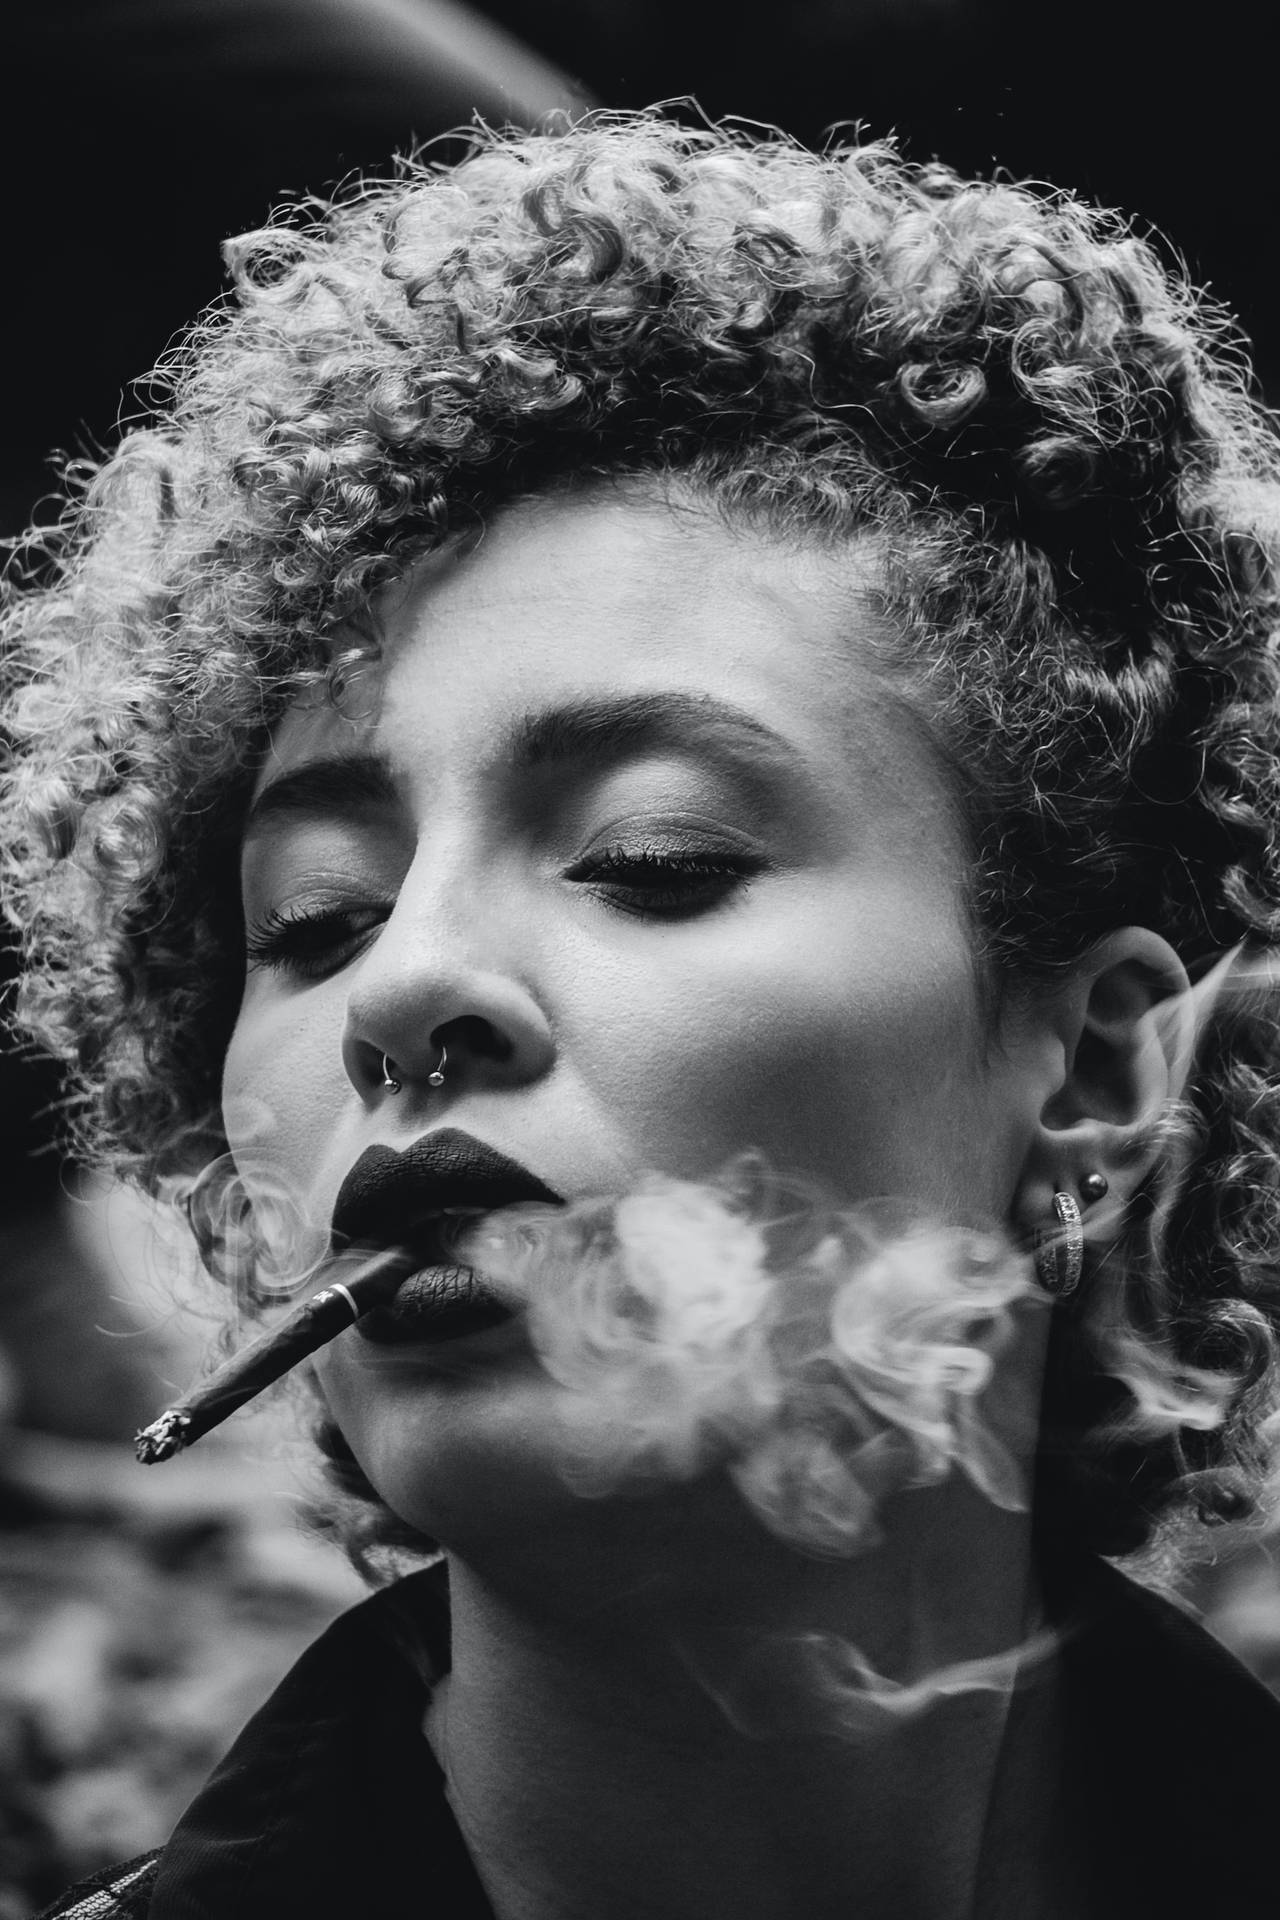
(671, 1754)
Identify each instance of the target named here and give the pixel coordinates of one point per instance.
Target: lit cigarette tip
(166, 1435)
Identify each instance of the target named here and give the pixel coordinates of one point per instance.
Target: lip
(397, 1198)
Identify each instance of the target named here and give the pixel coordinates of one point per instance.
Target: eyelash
(663, 885)
(309, 943)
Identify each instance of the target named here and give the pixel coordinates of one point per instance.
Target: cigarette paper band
(336, 1286)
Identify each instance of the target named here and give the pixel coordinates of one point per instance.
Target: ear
(1126, 1024)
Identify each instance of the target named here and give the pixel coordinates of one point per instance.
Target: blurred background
(142, 1617)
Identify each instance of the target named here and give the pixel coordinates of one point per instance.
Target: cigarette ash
(828, 1357)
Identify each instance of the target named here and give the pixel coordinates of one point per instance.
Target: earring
(436, 1077)
(1059, 1250)
(389, 1080)
(1094, 1186)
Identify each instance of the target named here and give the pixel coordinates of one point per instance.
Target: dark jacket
(1165, 1802)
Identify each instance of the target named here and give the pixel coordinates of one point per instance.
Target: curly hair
(1075, 504)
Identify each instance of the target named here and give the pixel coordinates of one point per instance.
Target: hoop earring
(389, 1080)
(436, 1077)
(1059, 1250)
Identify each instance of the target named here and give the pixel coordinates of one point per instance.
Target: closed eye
(664, 883)
(311, 943)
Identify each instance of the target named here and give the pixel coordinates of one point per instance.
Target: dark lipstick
(413, 1199)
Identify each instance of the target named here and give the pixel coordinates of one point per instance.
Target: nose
(436, 980)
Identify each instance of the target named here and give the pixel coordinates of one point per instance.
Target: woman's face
(626, 818)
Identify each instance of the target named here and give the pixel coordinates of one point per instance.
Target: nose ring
(435, 1078)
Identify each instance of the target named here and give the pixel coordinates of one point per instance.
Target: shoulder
(1142, 1643)
(314, 1753)
(1173, 1758)
(406, 1621)
(117, 1893)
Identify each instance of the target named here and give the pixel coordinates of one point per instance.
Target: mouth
(429, 1199)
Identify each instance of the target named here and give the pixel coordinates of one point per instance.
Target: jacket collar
(331, 1802)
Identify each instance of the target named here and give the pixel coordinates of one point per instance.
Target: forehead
(616, 593)
(620, 585)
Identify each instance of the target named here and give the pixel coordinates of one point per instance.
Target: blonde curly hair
(1077, 506)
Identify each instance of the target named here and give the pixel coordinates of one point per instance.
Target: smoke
(1130, 1308)
(253, 1234)
(825, 1357)
(822, 1683)
(828, 1357)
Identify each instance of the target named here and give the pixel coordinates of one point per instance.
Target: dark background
(138, 133)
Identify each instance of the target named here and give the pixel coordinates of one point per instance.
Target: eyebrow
(592, 732)
(345, 784)
(596, 730)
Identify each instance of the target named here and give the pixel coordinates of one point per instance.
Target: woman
(641, 682)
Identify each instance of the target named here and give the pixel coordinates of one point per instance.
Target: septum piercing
(434, 1079)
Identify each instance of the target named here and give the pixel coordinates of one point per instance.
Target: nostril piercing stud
(436, 1077)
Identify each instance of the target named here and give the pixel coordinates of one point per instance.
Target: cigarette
(248, 1373)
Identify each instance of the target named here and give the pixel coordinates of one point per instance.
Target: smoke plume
(827, 1356)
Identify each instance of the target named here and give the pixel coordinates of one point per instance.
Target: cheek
(282, 1083)
(843, 1044)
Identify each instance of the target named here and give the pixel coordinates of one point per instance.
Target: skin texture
(815, 997)
(823, 1010)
